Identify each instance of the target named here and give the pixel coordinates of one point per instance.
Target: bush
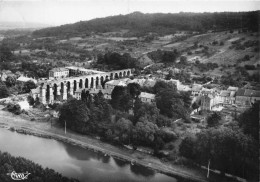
(30, 100)
(14, 108)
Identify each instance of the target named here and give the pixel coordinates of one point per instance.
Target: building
(111, 84)
(245, 97)
(58, 73)
(147, 97)
(73, 70)
(35, 93)
(196, 89)
(209, 101)
(227, 97)
(23, 79)
(92, 92)
(175, 82)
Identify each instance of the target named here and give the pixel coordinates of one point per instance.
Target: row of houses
(232, 96)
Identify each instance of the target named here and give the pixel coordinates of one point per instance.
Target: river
(76, 162)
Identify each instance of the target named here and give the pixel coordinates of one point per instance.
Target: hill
(139, 24)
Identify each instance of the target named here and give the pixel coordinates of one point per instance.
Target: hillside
(139, 24)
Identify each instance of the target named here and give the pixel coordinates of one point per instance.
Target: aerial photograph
(129, 90)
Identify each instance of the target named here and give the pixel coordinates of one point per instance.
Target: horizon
(60, 12)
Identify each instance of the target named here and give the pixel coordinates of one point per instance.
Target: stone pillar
(58, 90)
(43, 95)
(94, 83)
(64, 95)
(71, 88)
(51, 96)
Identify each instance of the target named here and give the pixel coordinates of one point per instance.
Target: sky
(58, 12)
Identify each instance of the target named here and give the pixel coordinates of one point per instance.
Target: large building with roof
(246, 97)
(57, 73)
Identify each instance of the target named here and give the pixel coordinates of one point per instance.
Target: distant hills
(139, 24)
(21, 25)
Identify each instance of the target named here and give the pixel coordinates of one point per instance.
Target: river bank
(29, 131)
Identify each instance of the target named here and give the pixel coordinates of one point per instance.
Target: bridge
(59, 89)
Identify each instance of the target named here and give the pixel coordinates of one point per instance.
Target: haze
(62, 12)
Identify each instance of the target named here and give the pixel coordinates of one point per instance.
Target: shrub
(14, 108)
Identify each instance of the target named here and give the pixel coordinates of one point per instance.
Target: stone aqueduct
(53, 90)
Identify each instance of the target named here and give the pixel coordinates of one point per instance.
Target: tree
(162, 85)
(30, 100)
(76, 115)
(14, 108)
(4, 92)
(28, 86)
(124, 130)
(229, 151)
(195, 105)
(186, 97)
(120, 99)
(169, 56)
(144, 132)
(187, 147)
(149, 111)
(249, 121)
(5, 53)
(170, 104)
(183, 60)
(10, 81)
(170, 75)
(213, 119)
(134, 90)
(163, 121)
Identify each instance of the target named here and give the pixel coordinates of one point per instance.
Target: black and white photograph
(129, 90)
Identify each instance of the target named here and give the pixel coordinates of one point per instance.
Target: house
(235, 89)
(58, 73)
(227, 96)
(196, 89)
(106, 92)
(175, 82)
(35, 93)
(111, 84)
(147, 97)
(209, 101)
(244, 97)
(22, 79)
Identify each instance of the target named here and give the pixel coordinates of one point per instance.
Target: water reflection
(140, 170)
(120, 163)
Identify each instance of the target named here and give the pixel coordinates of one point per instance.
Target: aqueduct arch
(59, 89)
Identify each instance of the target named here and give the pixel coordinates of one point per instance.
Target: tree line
(125, 119)
(231, 149)
(140, 24)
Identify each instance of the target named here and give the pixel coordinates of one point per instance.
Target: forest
(140, 24)
(40, 174)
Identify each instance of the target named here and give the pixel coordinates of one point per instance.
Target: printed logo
(19, 176)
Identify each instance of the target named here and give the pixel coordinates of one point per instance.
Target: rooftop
(147, 95)
(248, 93)
(35, 91)
(59, 69)
(83, 69)
(121, 82)
(25, 79)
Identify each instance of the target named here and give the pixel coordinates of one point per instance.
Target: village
(151, 97)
